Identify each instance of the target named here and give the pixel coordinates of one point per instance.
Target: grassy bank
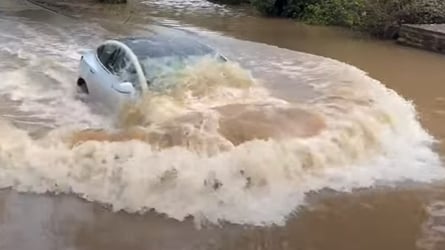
(381, 18)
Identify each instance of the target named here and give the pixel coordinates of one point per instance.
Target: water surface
(274, 160)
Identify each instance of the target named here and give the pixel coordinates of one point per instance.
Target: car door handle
(92, 71)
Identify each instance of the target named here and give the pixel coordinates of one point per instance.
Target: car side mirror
(124, 87)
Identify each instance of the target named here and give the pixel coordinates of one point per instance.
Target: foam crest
(258, 181)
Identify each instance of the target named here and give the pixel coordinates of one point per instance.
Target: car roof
(161, 45)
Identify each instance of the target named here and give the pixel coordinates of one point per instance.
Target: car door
(101, 78)
(124, 69)
(115, 68)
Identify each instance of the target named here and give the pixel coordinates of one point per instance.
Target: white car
(124, 69)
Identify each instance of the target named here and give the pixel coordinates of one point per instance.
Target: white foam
(260, 182)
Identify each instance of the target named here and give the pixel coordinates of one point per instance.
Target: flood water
(312, 154)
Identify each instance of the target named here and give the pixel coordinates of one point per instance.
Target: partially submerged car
(124, 69)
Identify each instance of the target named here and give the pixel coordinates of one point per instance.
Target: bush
(266, 7)
(382, 18)
(234, 2)
(113, 1)
(335, 12)
(283, 8)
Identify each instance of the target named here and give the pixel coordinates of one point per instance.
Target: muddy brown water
(397, 218)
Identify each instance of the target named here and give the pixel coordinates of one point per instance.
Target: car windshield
(162, 56)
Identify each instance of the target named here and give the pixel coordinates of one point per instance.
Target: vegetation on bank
(113, 1)
(381, 18)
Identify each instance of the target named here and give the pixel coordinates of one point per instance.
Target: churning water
(243, 143)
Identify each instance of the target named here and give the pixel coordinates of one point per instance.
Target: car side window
(125, 69)
(105, 54)
(117, 61)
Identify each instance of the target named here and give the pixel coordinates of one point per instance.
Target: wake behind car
(124, 69)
